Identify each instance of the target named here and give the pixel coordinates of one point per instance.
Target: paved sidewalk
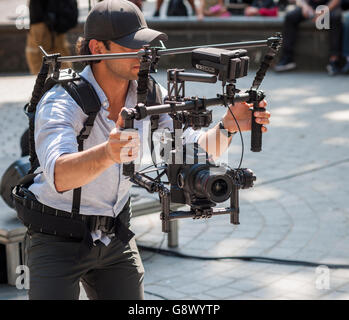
(304, 217)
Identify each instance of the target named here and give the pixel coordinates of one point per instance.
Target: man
(111, 269)
(306, 9)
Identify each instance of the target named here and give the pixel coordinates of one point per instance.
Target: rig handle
(128, 168)
(256, 128)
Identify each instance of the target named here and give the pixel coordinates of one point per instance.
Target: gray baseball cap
(122, 22)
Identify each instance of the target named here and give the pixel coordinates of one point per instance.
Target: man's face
(121, 68)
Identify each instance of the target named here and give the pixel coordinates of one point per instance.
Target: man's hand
(243, 115)
(123, 145)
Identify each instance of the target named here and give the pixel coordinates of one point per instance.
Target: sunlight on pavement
(342, 115)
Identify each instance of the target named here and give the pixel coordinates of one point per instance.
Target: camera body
(200, 183)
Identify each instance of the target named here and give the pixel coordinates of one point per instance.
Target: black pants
(106, 272)
(295, 17)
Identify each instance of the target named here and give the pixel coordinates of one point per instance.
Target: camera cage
(221, 64)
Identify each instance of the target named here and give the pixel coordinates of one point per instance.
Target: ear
(96, 47)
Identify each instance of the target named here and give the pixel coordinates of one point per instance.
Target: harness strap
(41, 218)
(86, 97)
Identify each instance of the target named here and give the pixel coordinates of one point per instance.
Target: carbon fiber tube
(189, 105)
(164, 52)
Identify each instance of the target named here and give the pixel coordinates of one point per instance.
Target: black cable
(157, 250)
(155, 295)
(242, 140)
(327, 166)
(245, 258)
(237, 124)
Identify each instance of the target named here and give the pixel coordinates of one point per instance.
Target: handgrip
(256, 130)
(128, 168)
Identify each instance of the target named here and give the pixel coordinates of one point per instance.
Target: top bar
(94, 57)
(234, 45)
(164, 52)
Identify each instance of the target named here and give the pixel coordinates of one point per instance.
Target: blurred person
(282, 4)
(175, 8)
(212, 8)
(306, 11)
(345, 6)
(262, 8)
(49, 22)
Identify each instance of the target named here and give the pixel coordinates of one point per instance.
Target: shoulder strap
(30, 113)
(86, 97)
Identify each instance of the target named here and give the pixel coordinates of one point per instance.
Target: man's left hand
(242, 114)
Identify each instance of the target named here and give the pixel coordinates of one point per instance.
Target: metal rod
(188, 76)
(107, 56)
(234, 45)
(164, 52)
(189, 214)
(166, 108)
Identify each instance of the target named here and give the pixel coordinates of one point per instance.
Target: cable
(242, 140)
(157, 249)
(335, 163)
(237, 124)
(245, 258)
(155, 295)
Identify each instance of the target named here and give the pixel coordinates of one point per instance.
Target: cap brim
(138, 39)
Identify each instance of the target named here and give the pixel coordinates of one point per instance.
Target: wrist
(229, 125)
(226, 131)
(107, 155)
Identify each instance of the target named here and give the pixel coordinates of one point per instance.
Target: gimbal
(199, 185)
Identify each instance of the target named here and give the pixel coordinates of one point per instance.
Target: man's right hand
(123, 145)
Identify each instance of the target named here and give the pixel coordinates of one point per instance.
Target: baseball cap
(122, 22)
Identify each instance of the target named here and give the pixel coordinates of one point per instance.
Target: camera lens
(219, 188)
(216, 187)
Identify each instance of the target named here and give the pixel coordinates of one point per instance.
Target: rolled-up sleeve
(58, 120)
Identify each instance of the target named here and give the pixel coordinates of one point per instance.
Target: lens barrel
(216, 187)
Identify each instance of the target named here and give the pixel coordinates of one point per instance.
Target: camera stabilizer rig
(199, 184)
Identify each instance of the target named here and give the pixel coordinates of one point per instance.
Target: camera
(200, 183)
